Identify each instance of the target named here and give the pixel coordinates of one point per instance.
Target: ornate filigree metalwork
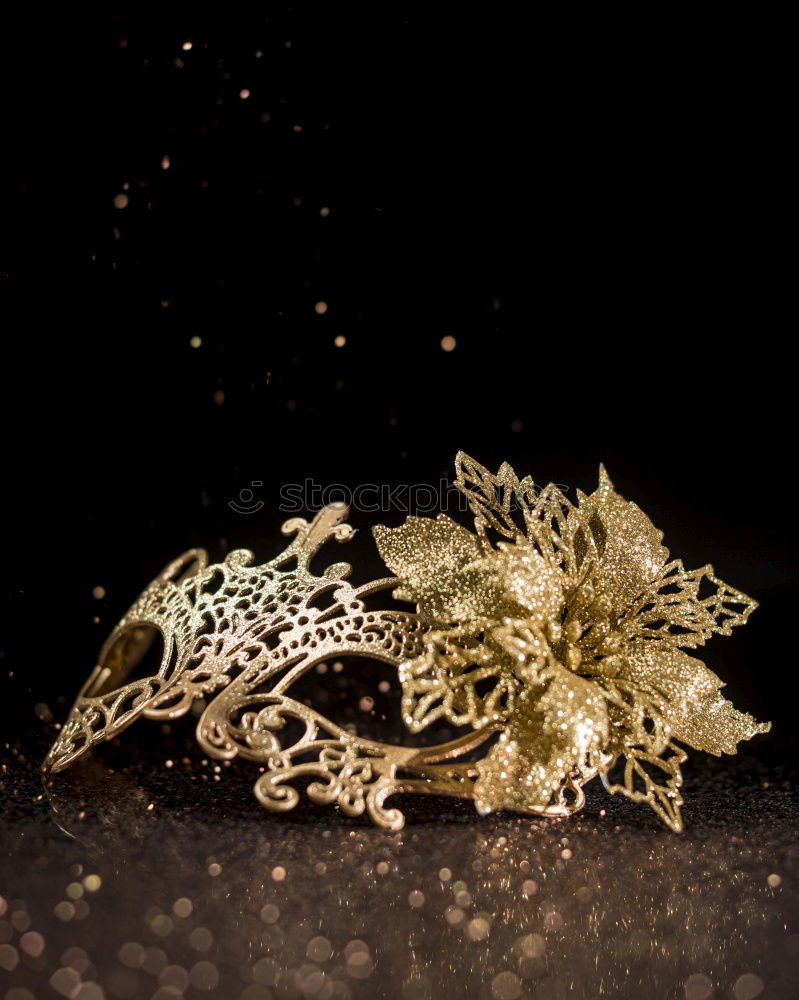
(558, 626)
(238, 636)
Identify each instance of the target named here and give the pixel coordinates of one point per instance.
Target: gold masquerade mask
(562, 628)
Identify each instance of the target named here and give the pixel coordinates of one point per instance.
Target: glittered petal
(629, 554)
(692, 706)
(526, 582)
(517, 509)
(718, 727)
(464, 676)
(493, 498)
(452, 576)
(548, 738)
(655, 780)
(673, 610)
(430, 557)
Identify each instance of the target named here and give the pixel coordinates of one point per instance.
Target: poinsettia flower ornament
(564, 626)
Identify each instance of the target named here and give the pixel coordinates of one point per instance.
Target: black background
(595, 211)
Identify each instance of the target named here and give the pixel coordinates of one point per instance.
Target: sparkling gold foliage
(558, 628)
(564, 626)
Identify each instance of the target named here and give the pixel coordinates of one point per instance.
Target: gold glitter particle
(64, 910)
(445, 874)
(77, 959)
(278, 873)
(154, 960)
(748, 986)
(774, 881)
(9, 957)
(201, 939)
(477, 929)
(698, 987)
(162, 925)
(320, 309)
(354, 946)
(448, 343)
(359, 965)
(98, 593)
(553, 921)
(266, 972)
(32, 943)
(454, 916)
(182, 907)
(506, 986)
(416, 899)
(319, 949)
(131, 954)
(340, 341)
(65, 981)
(270, 914)
(196, 341)
(204, 976)
(174, 978)
(20, 993)
(532, 946)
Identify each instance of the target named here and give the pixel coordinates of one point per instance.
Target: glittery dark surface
(158, 881)
(253, 249)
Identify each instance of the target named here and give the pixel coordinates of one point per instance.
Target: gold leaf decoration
(653, 779)
(564, 624)
(629, 551)
(442, 683)
(551, 734)
(672, 610)
(454, 575)
(693, 708)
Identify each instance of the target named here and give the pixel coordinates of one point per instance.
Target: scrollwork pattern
(237, 636)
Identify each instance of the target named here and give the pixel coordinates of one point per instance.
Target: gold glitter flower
(563, 626)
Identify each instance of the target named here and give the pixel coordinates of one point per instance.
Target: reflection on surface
(175, 883)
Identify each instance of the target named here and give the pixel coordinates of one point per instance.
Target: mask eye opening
(136, 653)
